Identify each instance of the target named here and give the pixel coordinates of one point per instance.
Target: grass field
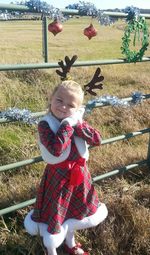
(126, 230)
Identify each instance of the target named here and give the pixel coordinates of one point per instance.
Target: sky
(100, 4)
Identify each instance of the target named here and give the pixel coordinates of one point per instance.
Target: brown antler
(92, 84)
(66, 68)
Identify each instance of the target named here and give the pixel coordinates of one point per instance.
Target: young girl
(66, 199)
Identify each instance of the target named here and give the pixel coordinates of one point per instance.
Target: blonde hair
(72, 86)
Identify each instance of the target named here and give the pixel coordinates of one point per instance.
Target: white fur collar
(51, 159)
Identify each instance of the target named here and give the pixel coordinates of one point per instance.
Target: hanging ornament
(55, 27)
(90, 31)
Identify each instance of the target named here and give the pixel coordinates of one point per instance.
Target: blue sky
(100, 4)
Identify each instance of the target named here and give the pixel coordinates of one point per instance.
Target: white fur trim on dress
(54, 241)
(88, 222)
(49, 240)
(30, 225)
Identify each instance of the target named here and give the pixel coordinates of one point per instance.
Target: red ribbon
(77, 176)
(75, 168)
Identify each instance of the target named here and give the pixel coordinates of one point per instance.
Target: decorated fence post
(45, 39)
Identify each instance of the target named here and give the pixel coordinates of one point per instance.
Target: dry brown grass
(126, 230)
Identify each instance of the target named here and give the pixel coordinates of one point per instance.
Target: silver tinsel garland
(25, 115)
(106, 20)
(132, 12)
(114, 101)
(17, 114)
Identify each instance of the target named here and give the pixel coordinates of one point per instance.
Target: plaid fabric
(57, 200)
(87, 133)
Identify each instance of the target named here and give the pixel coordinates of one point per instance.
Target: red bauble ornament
(90, 31)
(55, 27)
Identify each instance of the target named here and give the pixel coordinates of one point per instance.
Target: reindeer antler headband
(95, 82)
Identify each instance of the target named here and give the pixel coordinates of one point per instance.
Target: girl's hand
(81, 112)
(75, 118)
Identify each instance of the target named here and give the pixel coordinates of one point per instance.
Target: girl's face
(64, 103)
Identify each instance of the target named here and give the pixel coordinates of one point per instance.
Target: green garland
(136, 25)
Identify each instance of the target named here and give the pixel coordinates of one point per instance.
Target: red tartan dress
(66, 189)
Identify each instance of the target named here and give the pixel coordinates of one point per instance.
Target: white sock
(52, 251)
(70, 239)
